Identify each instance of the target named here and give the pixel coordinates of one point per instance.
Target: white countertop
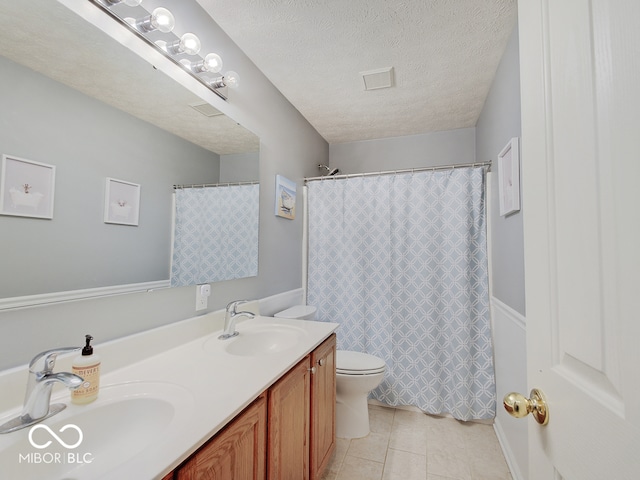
(217, 386)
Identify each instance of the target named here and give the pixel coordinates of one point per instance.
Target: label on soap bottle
(88, 391)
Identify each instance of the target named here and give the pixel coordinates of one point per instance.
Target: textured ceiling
(444, 54)
(79, 55)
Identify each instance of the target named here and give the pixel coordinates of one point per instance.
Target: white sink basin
(257, 339)
(264, 340)
(87, 441)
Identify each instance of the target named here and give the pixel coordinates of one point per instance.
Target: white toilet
(356, 375)
(299, 312)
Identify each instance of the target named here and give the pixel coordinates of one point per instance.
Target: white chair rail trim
(13, 303)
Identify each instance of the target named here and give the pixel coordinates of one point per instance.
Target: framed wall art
(121, 202)
(26, 188)
(509, 178)
(285, 197)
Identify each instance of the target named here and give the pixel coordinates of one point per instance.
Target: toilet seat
(357, 363)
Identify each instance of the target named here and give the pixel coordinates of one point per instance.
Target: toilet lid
(297, 311)
(356, 363)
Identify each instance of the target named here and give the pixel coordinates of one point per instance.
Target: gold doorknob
(520, 406)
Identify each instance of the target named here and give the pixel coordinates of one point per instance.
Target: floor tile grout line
(394, 421)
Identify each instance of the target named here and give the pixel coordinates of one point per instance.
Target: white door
(580, 74)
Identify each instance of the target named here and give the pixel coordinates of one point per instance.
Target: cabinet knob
(321, 362)
(312, 370)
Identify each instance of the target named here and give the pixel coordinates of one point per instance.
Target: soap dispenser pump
(87, 366)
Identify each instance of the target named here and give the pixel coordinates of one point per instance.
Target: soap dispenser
(86, 365)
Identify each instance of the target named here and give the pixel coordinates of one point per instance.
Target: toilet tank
(299, 312)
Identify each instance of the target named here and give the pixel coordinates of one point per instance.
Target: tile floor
(407, 445)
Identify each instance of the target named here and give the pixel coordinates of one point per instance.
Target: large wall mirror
(74, 98)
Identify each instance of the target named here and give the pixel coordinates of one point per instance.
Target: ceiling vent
(379, 78)
(206, 109)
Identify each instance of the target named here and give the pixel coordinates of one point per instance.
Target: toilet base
(352, 416)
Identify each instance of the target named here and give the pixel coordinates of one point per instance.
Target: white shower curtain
(400, 261)
(215, 234)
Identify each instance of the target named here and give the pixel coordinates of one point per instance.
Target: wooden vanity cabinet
(323, 406)
(289, 413)
(302, 426)
(238, 452)
(288, 433)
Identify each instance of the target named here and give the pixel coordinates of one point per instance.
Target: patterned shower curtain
(215, 235)
(400, 261)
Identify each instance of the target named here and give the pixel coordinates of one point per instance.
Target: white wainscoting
(510, 353)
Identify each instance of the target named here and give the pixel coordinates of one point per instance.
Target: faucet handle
(231, 307)
(45, 361)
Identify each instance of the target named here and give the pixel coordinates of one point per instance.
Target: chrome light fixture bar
(131, 3)
(156, 29)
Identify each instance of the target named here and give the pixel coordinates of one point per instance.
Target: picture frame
(285, 198)
(27, 188)
(509, 178)
(121, 202)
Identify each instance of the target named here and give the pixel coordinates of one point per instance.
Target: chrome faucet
(39, 385)
(230, 317)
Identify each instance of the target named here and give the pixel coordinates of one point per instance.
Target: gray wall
(412, 151)
(240, 167)
(498, 123)
(288, 146)
(48, 122)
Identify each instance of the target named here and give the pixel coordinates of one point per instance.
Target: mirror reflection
(73, 97)
(216, 234)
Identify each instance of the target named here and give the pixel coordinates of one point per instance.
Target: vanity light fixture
(131, 3)
(229, 79)
(154, 26)
(160, 19)
(212, 63)
(188, 43)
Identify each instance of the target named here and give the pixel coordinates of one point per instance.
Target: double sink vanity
(177, 402)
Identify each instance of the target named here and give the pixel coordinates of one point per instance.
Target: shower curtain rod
(392, 172)
(223, 184)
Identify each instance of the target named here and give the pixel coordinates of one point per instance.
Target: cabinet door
(289, 425)
(238, 452)
(323, 406)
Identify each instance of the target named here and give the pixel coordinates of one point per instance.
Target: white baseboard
(514, 468)
(411, 408)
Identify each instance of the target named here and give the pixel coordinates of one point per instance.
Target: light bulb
(231, 79)
(188, 43)
(212, 63)
(160, 19)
